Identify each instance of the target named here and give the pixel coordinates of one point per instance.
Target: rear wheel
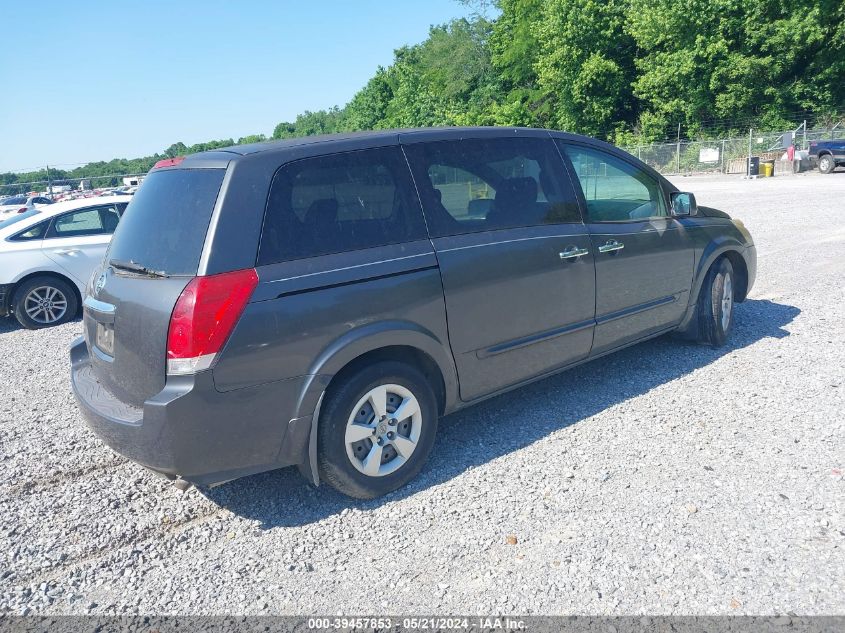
(44, 301)
(716, 304)
(376, 429)
(826, 164)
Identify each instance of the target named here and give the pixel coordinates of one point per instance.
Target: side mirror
(683, 204)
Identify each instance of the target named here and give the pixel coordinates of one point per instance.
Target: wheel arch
(722, 247)
(740, 274)
(392, 340)
(48, 273)
(405, 354)
(403, 341)
(716, 250)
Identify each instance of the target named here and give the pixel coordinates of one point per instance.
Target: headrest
(322, 211)
(516, 191)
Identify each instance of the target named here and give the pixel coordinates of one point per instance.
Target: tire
(826, 163)
(44, 301)
(349, 457)
(716, 304)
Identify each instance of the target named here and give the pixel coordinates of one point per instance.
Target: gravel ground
(667, 479)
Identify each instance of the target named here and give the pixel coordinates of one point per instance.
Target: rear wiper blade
(134, 267)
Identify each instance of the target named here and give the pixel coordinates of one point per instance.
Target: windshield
(164, 226)
(17, 200)
(17, 218)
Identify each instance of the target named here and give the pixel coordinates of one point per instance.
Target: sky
(87, 80)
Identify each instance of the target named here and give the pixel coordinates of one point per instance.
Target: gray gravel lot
(667, 479)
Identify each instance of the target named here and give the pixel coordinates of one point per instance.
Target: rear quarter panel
(311, 317)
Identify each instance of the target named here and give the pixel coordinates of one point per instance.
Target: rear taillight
(23, 210)
(204, 317)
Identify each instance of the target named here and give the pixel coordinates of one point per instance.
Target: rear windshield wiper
(134, 267)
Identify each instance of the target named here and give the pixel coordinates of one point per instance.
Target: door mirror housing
(683, 204)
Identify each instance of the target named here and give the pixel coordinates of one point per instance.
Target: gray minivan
(321, 301)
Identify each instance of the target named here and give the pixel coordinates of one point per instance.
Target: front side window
(339, 203)
(476, 185)
(614, 190)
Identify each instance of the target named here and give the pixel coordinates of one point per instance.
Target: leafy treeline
(629, 71)
(624, 70)
(103, 174)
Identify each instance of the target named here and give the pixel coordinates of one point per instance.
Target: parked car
(320, 302)
(828, 155)
(47, 255)
(21, 204)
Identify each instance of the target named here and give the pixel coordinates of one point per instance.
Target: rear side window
(36, 232)
(486, 184)
(338, 203)
(165, 226)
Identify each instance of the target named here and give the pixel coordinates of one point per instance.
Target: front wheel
(376, 429)
(716, 304)
(826, 164)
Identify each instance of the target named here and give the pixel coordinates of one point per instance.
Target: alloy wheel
(727, 302)
(45, 304)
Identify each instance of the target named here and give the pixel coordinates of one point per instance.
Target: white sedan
(47, 256)
(22, 204)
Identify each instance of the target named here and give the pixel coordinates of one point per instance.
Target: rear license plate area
(105, 338)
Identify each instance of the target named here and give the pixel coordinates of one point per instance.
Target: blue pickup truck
(828, 155)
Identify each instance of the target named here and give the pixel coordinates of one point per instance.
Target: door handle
(611, 246)
(572, 253)
(66, 251)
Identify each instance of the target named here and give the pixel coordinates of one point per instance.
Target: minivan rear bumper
(192, 431)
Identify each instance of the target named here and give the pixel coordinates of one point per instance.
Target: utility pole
(679, 148)
(49, 183)
(722, 158)
(804, 144)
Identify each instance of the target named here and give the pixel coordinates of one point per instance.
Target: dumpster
(753, 165)
(767, 169)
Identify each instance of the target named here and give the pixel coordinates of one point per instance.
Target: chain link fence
(725, 156)
(69, 188)
(728, 155)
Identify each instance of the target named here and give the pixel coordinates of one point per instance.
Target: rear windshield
(164, 226)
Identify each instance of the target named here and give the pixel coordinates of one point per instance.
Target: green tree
(586, 66)
(177, 149)
(368, 108)
(309, 123)
(627, 70)
(514, 46)
(730, 61)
